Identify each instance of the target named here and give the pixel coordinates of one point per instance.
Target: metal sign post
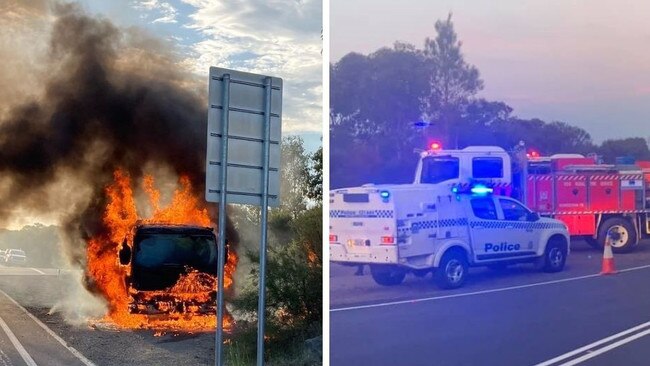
(243, 165)
(268, 85)
(218, 349)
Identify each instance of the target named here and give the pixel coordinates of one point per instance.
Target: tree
(453, 81)
(375, 101)
(294, 263)
(294, 175)
(315, 177)
(483, 118)
(636, 147)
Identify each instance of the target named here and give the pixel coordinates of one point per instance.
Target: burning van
(173, 269)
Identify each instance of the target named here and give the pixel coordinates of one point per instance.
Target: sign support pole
(218, 347)
(261, 308)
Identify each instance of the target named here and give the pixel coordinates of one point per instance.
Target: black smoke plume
(107, 103)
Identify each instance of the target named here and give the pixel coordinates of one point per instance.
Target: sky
(273, 37)
(280, 38)
(584, 62)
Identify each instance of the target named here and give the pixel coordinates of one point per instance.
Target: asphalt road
(515, 317)
(37, 291)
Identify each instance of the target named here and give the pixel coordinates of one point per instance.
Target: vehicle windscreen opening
(177, 250)
(487, 167)
(439, 169)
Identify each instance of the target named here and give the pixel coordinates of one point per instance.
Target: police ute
(442, 226)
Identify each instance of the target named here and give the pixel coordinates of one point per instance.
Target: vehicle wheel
(387, 275)
(555, 255)
(627, 235)
(452, 270)
(420, 273)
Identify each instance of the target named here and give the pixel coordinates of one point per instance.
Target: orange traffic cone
(608, 258)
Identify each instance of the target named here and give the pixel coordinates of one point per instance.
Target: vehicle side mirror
(532, 216)
(125, 254)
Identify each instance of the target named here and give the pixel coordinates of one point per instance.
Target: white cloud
(164, 11)
(276, 37)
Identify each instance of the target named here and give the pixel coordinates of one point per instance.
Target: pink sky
(586, 62)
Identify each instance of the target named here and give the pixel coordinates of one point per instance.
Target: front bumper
(152, 303)
(384, 254)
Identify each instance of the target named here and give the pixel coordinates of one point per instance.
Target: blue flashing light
(481, 190)
(384, 194)
(475, 189)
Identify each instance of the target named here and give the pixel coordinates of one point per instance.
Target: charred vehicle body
(173, 269)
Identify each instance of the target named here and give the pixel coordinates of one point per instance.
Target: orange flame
(109, 276)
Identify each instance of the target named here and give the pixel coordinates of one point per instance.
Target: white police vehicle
(421, 228)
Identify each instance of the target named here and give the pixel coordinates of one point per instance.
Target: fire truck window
(439, 169)
(513, 211)
(484, 208)
(487, 167)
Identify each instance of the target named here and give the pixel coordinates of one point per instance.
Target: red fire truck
(590, 197)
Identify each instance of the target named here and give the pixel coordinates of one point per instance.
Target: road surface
(514, 317)
(32, 334)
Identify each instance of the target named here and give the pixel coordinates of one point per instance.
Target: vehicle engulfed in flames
(173, 270)
(160, 271)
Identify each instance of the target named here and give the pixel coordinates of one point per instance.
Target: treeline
(390, 102)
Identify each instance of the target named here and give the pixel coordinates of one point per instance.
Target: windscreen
(439, 169)
(175, 250)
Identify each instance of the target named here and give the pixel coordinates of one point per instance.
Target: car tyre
(387, 275)
(555, 255)
(452, 270)
(628, 239)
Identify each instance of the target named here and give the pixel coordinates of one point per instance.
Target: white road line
(482, 292)
(5, 359)
(19, 347)
(593, 345)
(607, 348)
(76, 353)
(38, 270)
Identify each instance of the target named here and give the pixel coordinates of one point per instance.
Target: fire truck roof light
(435, 146)
(384, 194)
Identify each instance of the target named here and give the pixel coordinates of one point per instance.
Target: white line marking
(482, 292)
(38, 270)
(607, 348)
(588, 347)
(19, 347)
(76, 353)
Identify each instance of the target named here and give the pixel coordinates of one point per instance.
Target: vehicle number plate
(357, 246)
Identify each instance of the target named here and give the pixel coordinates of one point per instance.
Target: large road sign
(243, 165)
(244, 99)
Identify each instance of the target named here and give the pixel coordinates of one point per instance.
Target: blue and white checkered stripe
(367, 214)
(433, 224)
(516, 225)
(446, 223)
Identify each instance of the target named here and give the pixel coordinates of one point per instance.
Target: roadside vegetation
(293, 269)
